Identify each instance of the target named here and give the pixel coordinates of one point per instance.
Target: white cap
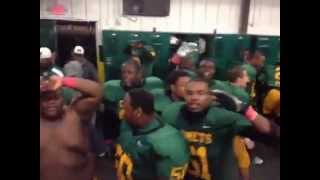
(174, 40)
(45, 53)
(78, 50)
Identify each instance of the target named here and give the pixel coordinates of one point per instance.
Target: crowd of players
(190, 126)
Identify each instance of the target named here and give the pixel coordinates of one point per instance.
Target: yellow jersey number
(123, 164)
(121, 110)
(199, 164)
(178, 173)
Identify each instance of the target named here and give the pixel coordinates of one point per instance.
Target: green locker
(225, 48)
(160, 42)
(270, 46)
(115, 43)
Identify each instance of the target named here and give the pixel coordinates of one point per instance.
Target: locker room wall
(186, 16)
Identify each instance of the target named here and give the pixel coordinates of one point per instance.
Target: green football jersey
(192, 74)
(158, 150)
(251, 71)
(216, 84)
(251, 89)
(161, 99)
(114, 92)
(273, 76)
(236, 91)
(210, 140)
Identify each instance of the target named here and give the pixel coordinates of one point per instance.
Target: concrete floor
(269, 170)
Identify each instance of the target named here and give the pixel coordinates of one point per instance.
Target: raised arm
(262, 124)
(91, 93)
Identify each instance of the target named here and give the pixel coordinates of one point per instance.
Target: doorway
(72, 33)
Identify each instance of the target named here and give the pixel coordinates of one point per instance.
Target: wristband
(251, 114)
(69, 82)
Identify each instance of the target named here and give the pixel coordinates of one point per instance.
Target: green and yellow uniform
(273, 76)
(210, 138)
(191, 73)
(114, 93)
(271, 102)
(271, 105)
(158, 150)
(252, 73)
(216, 84)
(162, 99)
(240, 150)
(236, 91)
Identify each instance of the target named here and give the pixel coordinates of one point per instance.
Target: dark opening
(70, 34)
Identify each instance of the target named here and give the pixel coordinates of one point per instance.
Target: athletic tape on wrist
(251, 114)
(69, 82)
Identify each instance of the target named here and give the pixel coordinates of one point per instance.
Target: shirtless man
(64, 138)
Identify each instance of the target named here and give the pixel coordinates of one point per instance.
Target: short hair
(255, 54)
(207, 59)
(134, 64)
(199, 80)
(175, 75)
(234, 73)
(143, 99)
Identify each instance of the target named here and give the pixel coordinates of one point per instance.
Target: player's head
(136, 59)
(177, 81)
(187, 63)
(238, 76)
(138, 44)
(245, 54)
(257, 59)
(131, 73)
(198, 96)
(78, 53)
(51, 104)
(138, 104)
(207, 69)
(46, 58)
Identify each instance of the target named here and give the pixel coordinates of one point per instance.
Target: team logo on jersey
(178, 173)
(198, 137)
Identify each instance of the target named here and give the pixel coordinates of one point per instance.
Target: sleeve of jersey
(220, 85)
(109, 89)
(153, 82)
(172, 156)
(241, 124)
(159, 101)
(169, 114)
